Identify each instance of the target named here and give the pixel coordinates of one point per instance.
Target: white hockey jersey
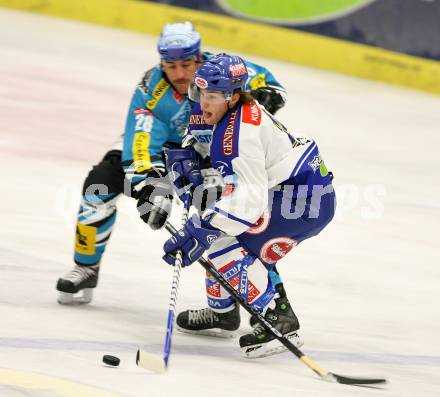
(256, 155)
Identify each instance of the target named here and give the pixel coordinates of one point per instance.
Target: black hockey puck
(111, 360)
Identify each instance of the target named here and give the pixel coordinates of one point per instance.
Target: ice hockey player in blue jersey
(277, 193)
(157, 116)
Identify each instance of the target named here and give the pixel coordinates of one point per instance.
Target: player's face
(180, 73)
(214, 105)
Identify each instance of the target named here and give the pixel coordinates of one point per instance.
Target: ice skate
(210, 323)
(261, 343)
(77, 286)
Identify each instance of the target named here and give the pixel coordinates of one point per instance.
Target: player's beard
(181, 86)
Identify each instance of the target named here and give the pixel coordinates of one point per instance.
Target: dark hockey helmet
(223, 72)
(178, 41)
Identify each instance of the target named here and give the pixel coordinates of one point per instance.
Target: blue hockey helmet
(223, 72)
(178, 41)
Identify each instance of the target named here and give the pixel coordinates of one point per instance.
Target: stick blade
(349, 380)
(150, 362)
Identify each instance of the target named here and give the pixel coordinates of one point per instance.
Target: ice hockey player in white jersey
(277, 193)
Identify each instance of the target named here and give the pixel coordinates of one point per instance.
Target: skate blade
(214, 332)
(83, 297)
(272, 347)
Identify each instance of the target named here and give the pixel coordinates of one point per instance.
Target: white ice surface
(366, 290)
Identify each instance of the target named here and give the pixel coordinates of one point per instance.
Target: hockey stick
(151, 361)
(324, 374)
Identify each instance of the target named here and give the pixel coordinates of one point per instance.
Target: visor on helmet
(195, 93)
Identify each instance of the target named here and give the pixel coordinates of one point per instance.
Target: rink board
(253, 38)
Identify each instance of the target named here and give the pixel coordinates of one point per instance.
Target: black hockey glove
(270, 98)
(155, 199)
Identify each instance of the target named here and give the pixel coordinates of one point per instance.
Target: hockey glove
(183, 167)
(270, 98)
(193, 239)
(155, 199)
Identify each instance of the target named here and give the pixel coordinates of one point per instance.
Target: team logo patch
(318, 163)
(261, 224)
(276, 249)
(201, 82)
(314, 164)
(251, 114)
(237, 70)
